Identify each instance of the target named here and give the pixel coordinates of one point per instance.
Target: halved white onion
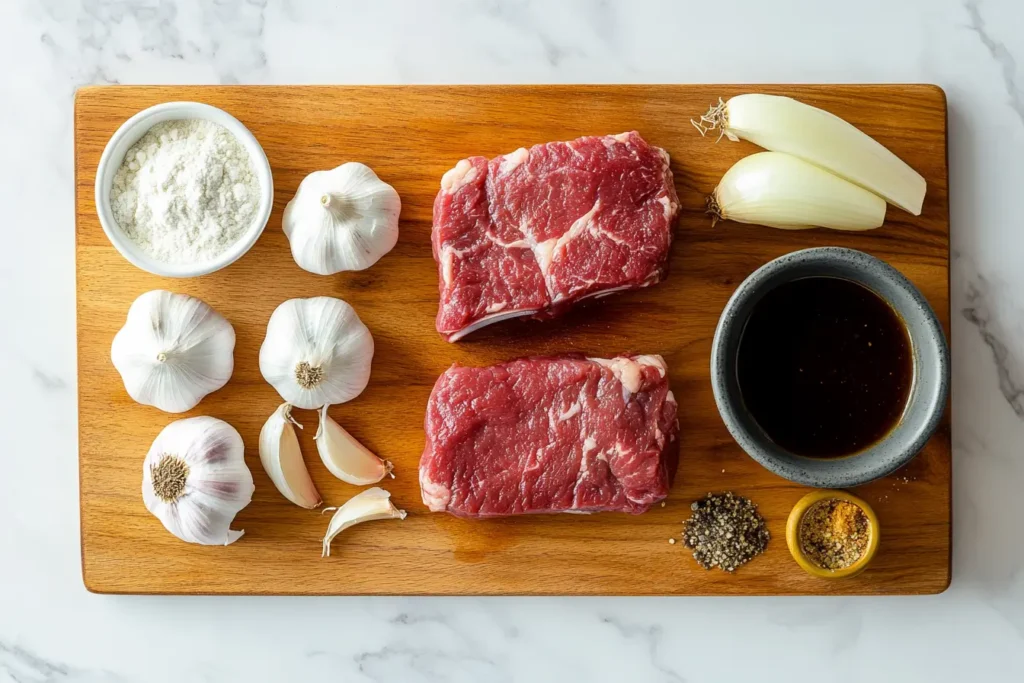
(782, 124)
(782, 191)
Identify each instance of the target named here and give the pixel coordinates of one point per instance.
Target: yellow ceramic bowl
(793, 534)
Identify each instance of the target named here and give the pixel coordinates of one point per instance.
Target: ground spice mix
(834, 533)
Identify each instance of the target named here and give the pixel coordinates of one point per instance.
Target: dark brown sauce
(825, 367)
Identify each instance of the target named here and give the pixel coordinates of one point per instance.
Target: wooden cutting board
(410, 136)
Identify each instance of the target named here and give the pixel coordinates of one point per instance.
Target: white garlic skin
(173, 350)
(342, 219)
(369, 506)
(282, 459)
(218, 485)
(345, 457)
(327, 336)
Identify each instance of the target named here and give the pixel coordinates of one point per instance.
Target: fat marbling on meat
(532, 232)
(550, 434)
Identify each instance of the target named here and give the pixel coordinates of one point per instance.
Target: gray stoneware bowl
(931, 368)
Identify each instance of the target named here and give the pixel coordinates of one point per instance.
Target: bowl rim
(127, 134)
(796, 516)
(757, 445)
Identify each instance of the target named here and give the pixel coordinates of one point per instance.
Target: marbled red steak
(532, 232)
(564, 434)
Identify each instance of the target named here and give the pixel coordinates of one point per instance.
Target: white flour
(186, 191)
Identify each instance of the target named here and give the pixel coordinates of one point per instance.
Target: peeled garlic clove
(342, 219)
(345, 457)
(194, 480)
(317, 352)
(368, 506)
(173, 350)
(282, 459)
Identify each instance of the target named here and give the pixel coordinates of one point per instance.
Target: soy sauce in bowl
(825, 367)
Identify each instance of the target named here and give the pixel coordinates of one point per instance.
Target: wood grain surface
(410, 136)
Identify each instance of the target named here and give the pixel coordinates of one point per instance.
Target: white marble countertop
(51, 629)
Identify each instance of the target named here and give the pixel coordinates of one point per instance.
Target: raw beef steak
(564, 434)
(532, 232)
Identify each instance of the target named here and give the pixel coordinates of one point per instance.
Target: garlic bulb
(345, 457)
(282, 459)
(317, 352)
(173, 350)
(368, 506)
(194, 480)
(342, 219)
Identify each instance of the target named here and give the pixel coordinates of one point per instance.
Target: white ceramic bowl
(128, 134)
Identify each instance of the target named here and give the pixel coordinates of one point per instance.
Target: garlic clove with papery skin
(345, 457)
(282, 459)
(342, 219)
(173, 350)
(317, 352)
(368, 506)
(194, 480)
